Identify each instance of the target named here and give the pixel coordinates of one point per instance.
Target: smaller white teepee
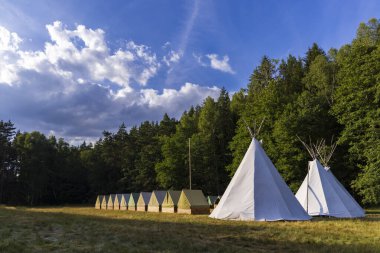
(321, 194)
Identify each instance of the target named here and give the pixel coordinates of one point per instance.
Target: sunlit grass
(84, 229)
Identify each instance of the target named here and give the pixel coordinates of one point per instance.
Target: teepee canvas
(258, 192)
(321, 194)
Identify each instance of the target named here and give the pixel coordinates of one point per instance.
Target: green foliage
(172, 170)
(311, 54)
(8, 170)
(357, 107)
(210, 129)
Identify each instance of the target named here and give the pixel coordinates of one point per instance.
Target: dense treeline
(323, 94)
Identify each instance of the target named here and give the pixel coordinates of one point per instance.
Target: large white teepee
(257, 192)
(326, 195)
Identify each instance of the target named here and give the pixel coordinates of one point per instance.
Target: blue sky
(75, 68)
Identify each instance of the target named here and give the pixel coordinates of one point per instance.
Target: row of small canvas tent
(185, 201)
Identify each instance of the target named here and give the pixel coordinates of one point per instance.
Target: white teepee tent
(321, 194)
(326, 195)
(258, 192)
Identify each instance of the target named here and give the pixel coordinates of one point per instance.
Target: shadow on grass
(374, 210)
(36, 230)
(372, 217)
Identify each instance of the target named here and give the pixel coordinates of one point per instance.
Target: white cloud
(9, 44)
(213, 61)
(75, 87)
(166, 45)
(8, 40)
(198, 58)
(172, 57)
(80, 54)
(220, 64)
(187, 93)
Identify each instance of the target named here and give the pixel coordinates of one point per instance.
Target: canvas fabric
(118, 200)
(125, 199)
(212, 199)
(321, 194)
(105, 201)
(157, 198)
(133, 199)
(258, 192)
(144, 198)
(192, 198)
(99, 201)
(171, 198)
(111, 200)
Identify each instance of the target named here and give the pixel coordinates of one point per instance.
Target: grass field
(84, 229)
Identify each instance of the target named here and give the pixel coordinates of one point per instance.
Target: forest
(320, 95)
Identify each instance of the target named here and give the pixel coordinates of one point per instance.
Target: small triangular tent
(155, 202)
(105, 201)
(98, 203)
(212, 201)
(170, 203)
(111, 202)
(124, 201)
(142, 203)
(193, 202)
(132, 203)
(321, 194)
(117, 202)
(258, 192)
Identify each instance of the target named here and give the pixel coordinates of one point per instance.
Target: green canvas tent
(193, 202)
(105, 202)
(213, 201)
(142, 203)
(132, 203)
(111, 201)
(116, 204)
(155, 202)
(170, 203)
(98, 203)
(124, 201)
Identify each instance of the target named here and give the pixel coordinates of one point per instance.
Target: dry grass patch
(84, 229)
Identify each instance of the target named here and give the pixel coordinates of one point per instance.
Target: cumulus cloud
(220, 64)
(182, 97)
(80, 54)
(9, 43)
(215, 62)
(8, 40)
(76, 86)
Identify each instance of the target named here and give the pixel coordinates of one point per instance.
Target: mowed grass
(84, 229)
